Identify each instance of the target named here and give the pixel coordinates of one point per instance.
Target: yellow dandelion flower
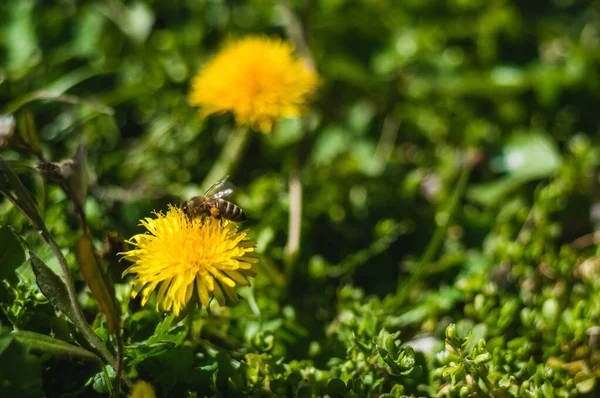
(203, 257)
(258, 78)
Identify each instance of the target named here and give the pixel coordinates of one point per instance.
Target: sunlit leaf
(526, 157)
(20, 38)
(7, 129)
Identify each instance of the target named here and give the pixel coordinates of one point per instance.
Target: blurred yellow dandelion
(258, 78)
(143, 389)
(184, 258)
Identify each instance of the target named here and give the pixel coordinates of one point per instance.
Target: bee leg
(215, 212)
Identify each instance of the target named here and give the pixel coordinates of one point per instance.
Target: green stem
(230, 156)
(404, 287)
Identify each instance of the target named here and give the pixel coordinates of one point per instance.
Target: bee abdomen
(239, 214)
(231, 212)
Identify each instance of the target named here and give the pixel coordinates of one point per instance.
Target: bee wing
(222, 194)
(216, 186)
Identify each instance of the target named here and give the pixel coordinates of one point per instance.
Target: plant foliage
(428, 227)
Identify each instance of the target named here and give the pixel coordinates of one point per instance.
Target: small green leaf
(162, 330)
(482, 358)
(51, 286)
(390, 345)
(397, 390)
(264, 341)
(103, 380)
(547, 389)
(585, 382)
(382, 351)
(12, 255)
(46, 344)
(407, 358)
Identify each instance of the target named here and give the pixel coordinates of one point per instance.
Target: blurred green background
(414, 93)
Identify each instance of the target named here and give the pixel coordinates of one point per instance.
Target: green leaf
(526, 157)
(20, 373)
(23, 201)
(45, 344)
(332, 142)
(51, 286)
(585, 382)
(7, 129)
(161, 332)
(135, 20)
(12, 254)
(491, 193)
(103, 380)
(390, 344)
(531, 154)
(139, 22)
(164, 339)
(55, 91)
(20, 39)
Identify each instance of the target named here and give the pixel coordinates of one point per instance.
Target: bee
(211, 203)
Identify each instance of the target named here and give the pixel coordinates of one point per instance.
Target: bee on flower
(258, 79)
(189, 258)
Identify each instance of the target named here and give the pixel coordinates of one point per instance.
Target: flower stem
(229, 157)
(403, 286)
(292, 246)
(294, 31)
